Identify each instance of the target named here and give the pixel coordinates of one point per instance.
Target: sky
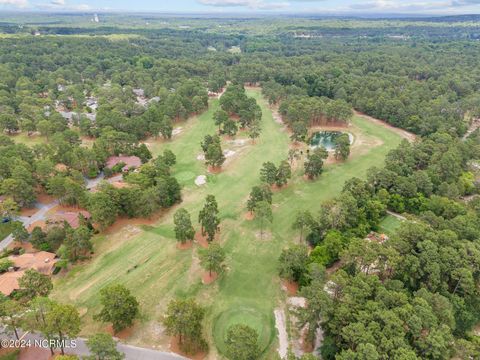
(414, 7)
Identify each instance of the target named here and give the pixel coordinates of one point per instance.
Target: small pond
(326, 139)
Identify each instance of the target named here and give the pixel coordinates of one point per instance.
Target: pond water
(326, 139)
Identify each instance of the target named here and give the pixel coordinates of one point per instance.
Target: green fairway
(147, 261)
(389, 224)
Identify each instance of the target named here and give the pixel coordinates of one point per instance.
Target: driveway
(40, 215)
(43, 209)
(131, 352)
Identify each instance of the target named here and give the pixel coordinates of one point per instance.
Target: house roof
(71, 217)
(42, 261)
(9, 282)
(129, 161)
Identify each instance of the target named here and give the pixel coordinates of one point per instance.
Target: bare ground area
(280, 324)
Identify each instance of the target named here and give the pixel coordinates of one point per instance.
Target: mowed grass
(389, 224)
(148, 263)
(23, 138)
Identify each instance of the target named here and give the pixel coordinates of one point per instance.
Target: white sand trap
(238, 142)
(201, 157)
(229, 153)
(177, 131)
(201, 180)
(297, 301)
(282, 332)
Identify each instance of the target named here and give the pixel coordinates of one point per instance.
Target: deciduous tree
(184, 319)
(120, 307)
(212, 258)
(242, 343)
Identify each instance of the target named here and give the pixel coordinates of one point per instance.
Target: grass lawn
(147, 261)
(389, 224)
(23, 138)
(6, 229)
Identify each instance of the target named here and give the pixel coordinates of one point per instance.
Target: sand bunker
(238, 142)
(177, 131)
(201, 180)
(201, 157)
(297, 301)
(229, 153)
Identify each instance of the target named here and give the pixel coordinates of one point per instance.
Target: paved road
(40, 215)
(131, 352)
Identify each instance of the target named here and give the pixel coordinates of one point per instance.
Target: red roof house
(71, 217)
(131, 162)
(42, 261)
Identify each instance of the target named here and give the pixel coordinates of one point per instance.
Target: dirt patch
(249, 215)
(276, 188)
(331, 160)
(27, 212)
(208, 279)
(297, 145)
(290, 287)
(185, 246)
(28, 247)
(6, 351)
(124, 334)
(175, 347)
(202, 239)
(215, 169)
(44, 198)
(307, 345)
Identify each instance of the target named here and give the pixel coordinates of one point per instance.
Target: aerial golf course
(144, 257)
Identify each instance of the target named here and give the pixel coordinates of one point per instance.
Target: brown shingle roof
(42, 261)
(71, 217)
(9, 282)
(129, 161)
